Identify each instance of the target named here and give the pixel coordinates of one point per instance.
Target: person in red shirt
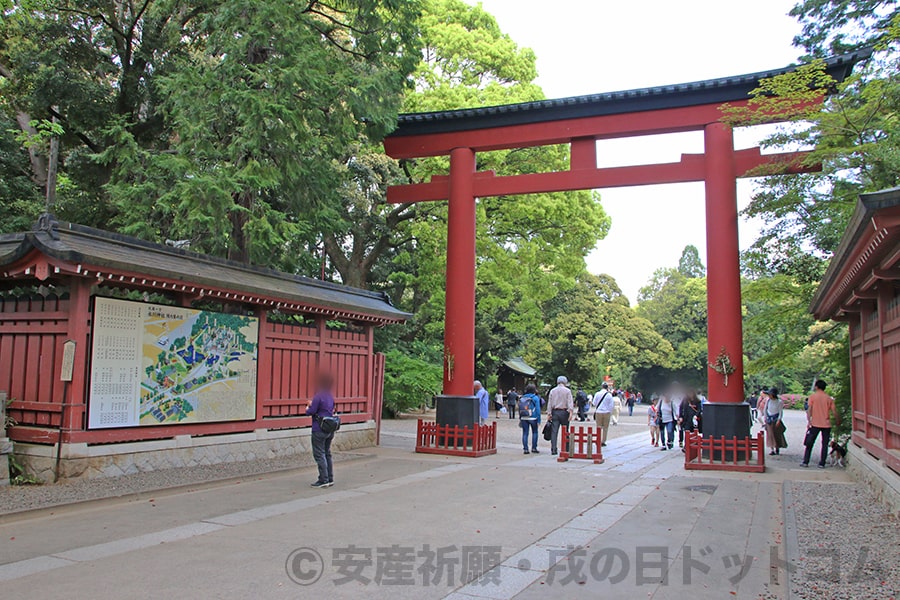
(818, 420)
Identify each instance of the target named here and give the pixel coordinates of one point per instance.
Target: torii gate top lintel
(580, 122)
(496, 127)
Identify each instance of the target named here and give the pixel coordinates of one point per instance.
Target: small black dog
(837, 454)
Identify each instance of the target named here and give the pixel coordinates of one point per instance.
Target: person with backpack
(581, 401)
(529, 417)
(322, 408)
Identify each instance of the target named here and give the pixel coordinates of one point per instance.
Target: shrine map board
(153, 364)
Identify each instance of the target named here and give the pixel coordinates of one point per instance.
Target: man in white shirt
(603, 403)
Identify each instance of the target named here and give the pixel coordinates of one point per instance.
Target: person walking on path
(581, 401)
(603, 407)
(691, 415)
(818, 420)
(530, 417)
(617, 409)
(630, 402)
(667, 417)
(484, 401)
(772, 415)
(560, 407)
(512, 398)
(322, 406)
(653, 423)
(677, 397)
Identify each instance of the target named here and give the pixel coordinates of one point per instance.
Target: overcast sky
(589, 46)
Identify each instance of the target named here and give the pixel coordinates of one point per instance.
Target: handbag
(329, 424)
(547, 432)
(772, 419)
(780, 438)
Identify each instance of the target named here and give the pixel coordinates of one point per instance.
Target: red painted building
(862, 287)
(52, 281)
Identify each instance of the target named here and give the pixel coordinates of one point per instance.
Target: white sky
(589, 46)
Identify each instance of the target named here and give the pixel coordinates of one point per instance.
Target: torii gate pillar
(457, 405)
(726, 414)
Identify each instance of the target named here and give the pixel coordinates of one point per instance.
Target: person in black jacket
(512, 399)
(581, 401)
(690, 416)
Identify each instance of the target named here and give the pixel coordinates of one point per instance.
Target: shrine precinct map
(154, 364)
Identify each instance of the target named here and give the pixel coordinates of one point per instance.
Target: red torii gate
(580, 122)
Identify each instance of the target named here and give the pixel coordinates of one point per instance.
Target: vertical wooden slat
(48, 374)
(18, 365)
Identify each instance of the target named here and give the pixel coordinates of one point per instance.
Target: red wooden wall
(32, 333)
(875, 375)
(33, 330)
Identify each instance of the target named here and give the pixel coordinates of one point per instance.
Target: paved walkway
(401, 525)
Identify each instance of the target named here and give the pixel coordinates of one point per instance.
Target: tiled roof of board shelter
(78, 244)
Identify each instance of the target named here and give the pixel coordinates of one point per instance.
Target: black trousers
(559, 417)
(321, 449)
(826, 438)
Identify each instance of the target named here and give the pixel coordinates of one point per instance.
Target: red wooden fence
(581, 441)
(723, 454)
(33, 330)
(32, 333)
(477, 440)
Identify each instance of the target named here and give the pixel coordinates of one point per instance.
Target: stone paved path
(494, 525)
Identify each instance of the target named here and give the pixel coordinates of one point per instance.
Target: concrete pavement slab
(517, 516)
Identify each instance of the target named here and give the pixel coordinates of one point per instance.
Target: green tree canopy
(225, 123)
(676, 306)
(690, 265)
(591, 331)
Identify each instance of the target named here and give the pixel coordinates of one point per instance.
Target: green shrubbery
(409, 382)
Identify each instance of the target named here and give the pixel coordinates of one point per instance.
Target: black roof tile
(710, 91)
(77, 244)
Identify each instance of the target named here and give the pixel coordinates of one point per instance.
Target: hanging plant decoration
(450, 363)
(722, 365)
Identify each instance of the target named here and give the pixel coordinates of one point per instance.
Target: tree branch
(84, 138)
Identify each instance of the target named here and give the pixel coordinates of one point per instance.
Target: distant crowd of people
(605, 406)
(669, 414)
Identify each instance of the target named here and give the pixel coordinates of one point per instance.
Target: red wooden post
(459, 323)
(79, 327)
(370, 372)
(723, 294)
(263, 364)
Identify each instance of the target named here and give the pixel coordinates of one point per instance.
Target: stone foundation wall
(80, 461)
(883, 482)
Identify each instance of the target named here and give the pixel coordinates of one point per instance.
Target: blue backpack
(526, 406)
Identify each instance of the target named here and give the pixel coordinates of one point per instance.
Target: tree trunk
(38, 162)
(239, 250)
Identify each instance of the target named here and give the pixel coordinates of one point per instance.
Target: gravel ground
(849, 544)
(18, 498)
